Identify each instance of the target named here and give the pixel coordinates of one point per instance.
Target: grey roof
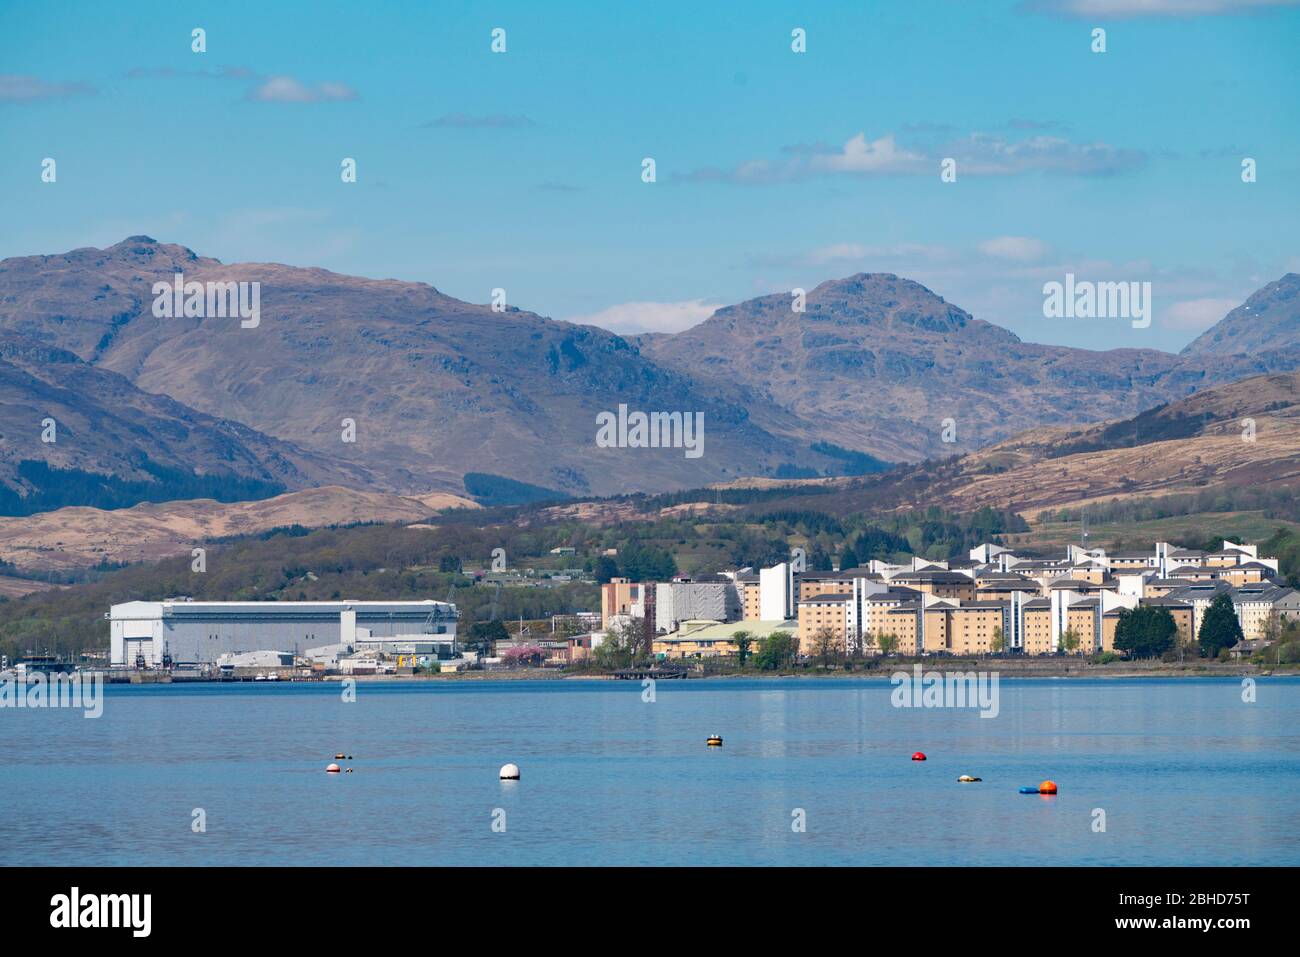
(934, 575)
(835, 599)
(895, 593)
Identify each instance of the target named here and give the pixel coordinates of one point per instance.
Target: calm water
(1185, 771)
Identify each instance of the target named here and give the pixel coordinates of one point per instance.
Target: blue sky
(522, 170)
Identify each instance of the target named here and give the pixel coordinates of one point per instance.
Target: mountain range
(880, 362)
(115, 441)
(1226, 446)
(435, 388)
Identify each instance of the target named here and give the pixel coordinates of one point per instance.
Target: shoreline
(1002, 668)
(883, 674)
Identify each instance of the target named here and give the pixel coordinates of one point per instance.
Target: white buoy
(510, 772)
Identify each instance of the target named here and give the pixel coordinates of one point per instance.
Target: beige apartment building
(1002, 591)
(877, 610)
(903, 622)
(1160, 587)
(1038, 627)
(939, 584)
(812, 586)
(1092, 574)
(617, 598)
(963, 630)
(1248, 574)
(823, 611)
(1081, 618)
(970, 602)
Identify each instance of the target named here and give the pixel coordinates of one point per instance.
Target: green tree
(827, 647)
(646, 563)
(999, 642)
(486, 632)
(1220, 628)
(742, 640)
(619, 647)
(604, 569)
(1145, 631)
(848, 559)
(1069, 641)
(887, 644)
(778, 650)
(819, 560)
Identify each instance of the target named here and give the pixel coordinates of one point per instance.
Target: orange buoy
(332, 769)
(918, 756)
(1047, 787)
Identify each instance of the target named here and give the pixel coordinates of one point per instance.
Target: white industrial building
(181, 631)
(679, 601)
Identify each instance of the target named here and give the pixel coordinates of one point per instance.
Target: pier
(637, 674)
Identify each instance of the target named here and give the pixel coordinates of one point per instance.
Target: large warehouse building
(196, 632)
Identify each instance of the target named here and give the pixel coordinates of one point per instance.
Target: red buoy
(332, 769)
(918, 756)
(1047, 787)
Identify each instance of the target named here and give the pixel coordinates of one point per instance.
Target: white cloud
(629, 318)
(1152, 8)
(987, 154)
(1197, 314)
(286, 89)
(837, 252)
(860, 156)
(1014, 248)
(15, 87)
(977, 154)
(878, 254)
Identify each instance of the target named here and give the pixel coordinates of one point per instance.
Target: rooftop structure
(152, 633)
